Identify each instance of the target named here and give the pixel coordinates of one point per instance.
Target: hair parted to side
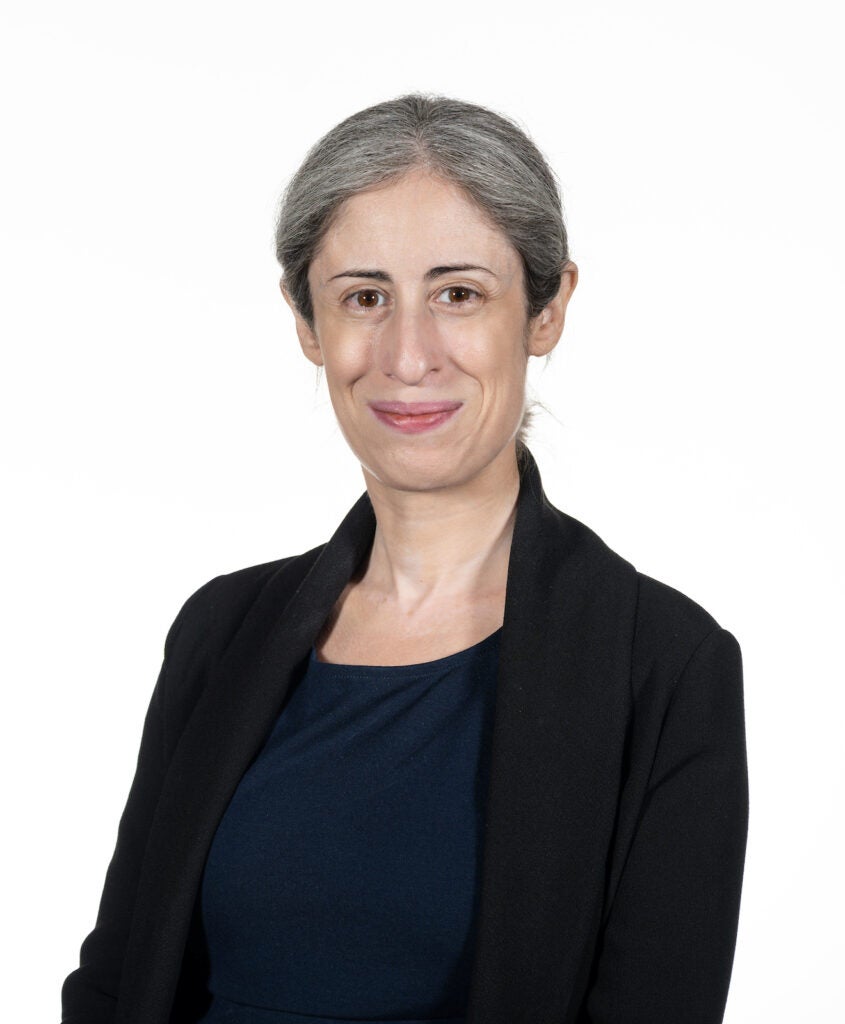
(485, 153)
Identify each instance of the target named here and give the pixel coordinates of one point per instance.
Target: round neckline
(417, 668)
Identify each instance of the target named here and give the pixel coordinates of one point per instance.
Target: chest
(344, 876)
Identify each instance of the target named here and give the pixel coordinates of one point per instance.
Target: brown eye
(460, 295)
(367, 299)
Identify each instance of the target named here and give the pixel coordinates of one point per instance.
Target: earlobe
(307, 338)
(549, 325)
(309, 344)
(547, 328)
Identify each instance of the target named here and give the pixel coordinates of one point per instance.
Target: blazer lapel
(228, 727)
(562, 704)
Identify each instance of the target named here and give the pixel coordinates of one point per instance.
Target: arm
(89, 994)
(666, 953)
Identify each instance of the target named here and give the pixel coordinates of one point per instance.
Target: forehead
(415, 222)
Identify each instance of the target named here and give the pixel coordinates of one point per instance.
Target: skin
(444, 499)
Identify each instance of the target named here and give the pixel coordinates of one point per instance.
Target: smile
(414, 422)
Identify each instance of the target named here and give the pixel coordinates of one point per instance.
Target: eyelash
(464, 287)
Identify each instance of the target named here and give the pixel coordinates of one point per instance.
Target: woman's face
(418, 298)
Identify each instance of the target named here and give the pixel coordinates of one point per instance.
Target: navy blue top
(343, 880)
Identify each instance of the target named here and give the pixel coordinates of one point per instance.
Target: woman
(462, 762)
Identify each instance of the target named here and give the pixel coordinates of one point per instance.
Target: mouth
(414, 417)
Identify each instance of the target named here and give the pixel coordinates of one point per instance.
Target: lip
(414, 408)
(421, 417)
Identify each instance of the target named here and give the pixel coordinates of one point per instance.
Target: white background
(157, 409)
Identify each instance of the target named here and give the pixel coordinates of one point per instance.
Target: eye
(364, 298)
(461, 290)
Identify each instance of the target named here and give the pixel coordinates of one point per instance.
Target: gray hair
(487, 154)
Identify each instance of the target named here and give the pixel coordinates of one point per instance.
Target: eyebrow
(382, 275)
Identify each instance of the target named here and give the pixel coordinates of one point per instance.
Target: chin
(424, 468)
(409, 477)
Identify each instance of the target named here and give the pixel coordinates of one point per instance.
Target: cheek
(346, 359)
(498, 364)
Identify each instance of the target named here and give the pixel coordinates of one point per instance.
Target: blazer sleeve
(89, 993)
(667, 949)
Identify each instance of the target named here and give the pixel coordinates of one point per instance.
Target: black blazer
(616, 816)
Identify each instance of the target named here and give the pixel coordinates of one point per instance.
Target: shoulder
(662, 621)
(209, 619)
(659, 630)
(215, 610)
(664, 625)
(666, 615)
(672, 632)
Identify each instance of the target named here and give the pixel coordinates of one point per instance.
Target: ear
(307, 338)
(547, 327)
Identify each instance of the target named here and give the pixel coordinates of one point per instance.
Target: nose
(408, 347)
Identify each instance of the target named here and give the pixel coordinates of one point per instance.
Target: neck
(430, 546)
